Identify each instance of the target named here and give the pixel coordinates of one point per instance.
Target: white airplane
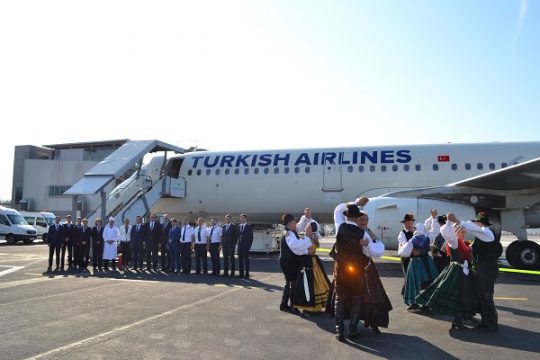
(501, 178)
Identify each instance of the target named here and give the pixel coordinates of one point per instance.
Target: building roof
(90, 144)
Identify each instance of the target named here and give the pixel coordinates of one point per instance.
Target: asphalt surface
(69, 315)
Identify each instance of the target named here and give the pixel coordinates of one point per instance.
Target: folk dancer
(312, 284)
(486, 251)
(421, 269)
(339, 218)
(437, 243)
(453, 291)
(292, 247)
(349, 264)
(404, 236)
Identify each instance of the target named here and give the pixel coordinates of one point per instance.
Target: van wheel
(11, 240)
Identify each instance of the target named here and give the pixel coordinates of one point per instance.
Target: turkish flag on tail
(443, 158)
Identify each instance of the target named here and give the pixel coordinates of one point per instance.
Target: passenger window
(503, 165)
(454, 167)
(286, 170)
(479, 166)
(256, 171)
(236, 171)
(350, 169)
(266, 170)
(199, 172)
(218, 171)
(227, 171)
(308, 169)
(361, 168)
(246, 171)
(491, 166)
(208, 171)
(406, 167)
(383, 168)
(296, 170)
(435, 167)
(4, 220)
(394, 168)
(276, 170)
(372, 168)
(467, 166)
(41, 222)
(417, 167)
(190, 172)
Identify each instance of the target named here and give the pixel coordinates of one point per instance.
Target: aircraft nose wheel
(524, 255)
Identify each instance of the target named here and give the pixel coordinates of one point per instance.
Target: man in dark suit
(138, 236)
(245, 239)
(68, 243)
(165, 229)
(84, 237)
(97, 245)
(55, 239)
(153, 239)
(230, 237)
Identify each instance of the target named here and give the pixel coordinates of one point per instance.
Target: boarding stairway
(135, 195)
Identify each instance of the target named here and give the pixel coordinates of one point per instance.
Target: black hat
(353, 211)
(441, 219)
(482, 218)
(287, 218)
(408, 217)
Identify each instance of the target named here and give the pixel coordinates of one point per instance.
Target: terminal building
(41, 175)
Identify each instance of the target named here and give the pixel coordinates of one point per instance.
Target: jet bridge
(139, 192)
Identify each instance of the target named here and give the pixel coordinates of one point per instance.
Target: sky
(239, 75)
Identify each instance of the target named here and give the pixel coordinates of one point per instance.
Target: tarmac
(146, 315)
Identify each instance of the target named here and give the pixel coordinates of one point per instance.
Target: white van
(40, 220)
(14, 228)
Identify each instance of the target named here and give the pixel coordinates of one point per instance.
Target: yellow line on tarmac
(518, 271)
(393, 258)
(510, 298)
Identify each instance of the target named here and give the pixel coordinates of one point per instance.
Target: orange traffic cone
(121, 262)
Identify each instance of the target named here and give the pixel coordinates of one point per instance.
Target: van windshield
(17, 219)
(49, 220)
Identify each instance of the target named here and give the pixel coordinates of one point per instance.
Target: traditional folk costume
(421, 270)
(403, 237)
(437, 244)
(357, 283)
(291, 249)
(453, 291)
(312, 283)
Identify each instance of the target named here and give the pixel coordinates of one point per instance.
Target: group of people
(444, 273)
(169, 244)
(356, 292)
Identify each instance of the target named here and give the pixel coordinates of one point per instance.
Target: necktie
(199, 234)
(56, 227)
(152, 226)
(242, 229)
(212, 231)
(138, 227)
(184, 234)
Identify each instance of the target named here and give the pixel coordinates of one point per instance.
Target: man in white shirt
(201, 247)
(339, 218)
(215, 235)
(305, 220)
(111, 235)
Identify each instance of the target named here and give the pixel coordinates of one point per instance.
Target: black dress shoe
(375, 329)
(340, 337)
(458, 324)
(285, 307)
(241, 276)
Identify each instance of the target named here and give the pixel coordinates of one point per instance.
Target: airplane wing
(488, 190)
